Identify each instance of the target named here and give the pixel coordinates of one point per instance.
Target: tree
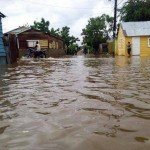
(70, 41)
(42, 25)
(73, 49)
(54, 32)
(136, 10)
(97, 31)
(64, 33)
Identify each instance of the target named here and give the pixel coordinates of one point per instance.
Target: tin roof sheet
(18, 30)
(24, 28)
(136, 28)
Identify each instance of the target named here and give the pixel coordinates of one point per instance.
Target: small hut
(138, 34)
(22, 38)
(2, 50)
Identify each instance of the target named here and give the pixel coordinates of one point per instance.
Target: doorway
(136, 46)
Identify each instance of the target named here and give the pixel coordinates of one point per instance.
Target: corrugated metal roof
(18, 30)
(24, 28)
(136, 28)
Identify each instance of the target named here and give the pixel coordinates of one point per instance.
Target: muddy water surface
(76, 104)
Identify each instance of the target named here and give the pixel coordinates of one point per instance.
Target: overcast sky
(72, 13)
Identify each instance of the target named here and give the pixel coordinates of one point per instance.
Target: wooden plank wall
(13, 49)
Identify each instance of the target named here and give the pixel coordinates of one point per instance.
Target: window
(148, 42)
(31, 43)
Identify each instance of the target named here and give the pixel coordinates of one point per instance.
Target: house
(2, 50)
(138, 34)
(27, 37)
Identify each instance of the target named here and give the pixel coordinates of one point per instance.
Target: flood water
(76, 103)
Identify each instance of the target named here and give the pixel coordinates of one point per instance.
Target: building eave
(2, 15)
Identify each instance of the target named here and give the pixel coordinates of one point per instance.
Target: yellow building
(138, 34)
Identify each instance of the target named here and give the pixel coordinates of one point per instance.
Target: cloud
(74, 14)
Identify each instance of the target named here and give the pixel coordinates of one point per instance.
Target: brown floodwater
(75, 103)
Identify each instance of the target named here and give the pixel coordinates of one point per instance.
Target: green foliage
(72, 49)
(64, 33)
(42, 25)
(136, 10)
(70, 41)
(54, 32)
(97, 31)
(90, 49)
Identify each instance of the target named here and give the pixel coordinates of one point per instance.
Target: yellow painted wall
(43, 43)
(116, 46)
(145, 50)
(111, 47)
(121, 43)
(53, 45)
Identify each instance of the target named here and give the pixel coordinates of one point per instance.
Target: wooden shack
(2, 50)
(27, 38)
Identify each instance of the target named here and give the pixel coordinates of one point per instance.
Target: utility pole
(115, 19)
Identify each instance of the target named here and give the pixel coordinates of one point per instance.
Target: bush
(72, 49)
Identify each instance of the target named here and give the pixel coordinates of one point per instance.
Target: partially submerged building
(26, 37)
(138, 34)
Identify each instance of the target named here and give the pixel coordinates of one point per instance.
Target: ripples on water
(76, 103)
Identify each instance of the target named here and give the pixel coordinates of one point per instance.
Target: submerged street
(76, 103)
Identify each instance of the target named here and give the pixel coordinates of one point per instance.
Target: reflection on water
(76, 104)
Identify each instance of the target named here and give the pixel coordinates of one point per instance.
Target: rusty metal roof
(18, 30)
(136, 28)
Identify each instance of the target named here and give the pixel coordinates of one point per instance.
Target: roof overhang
(2, 15)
